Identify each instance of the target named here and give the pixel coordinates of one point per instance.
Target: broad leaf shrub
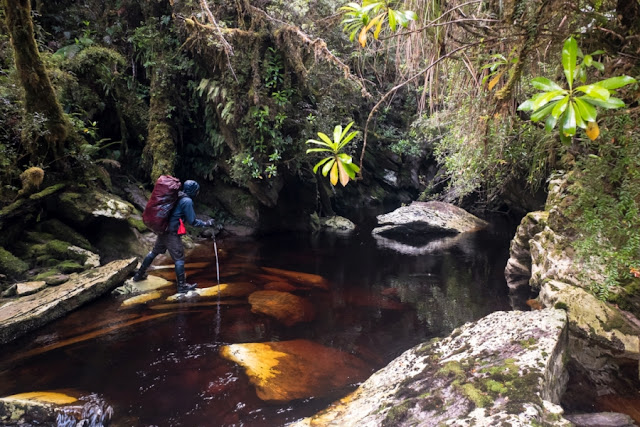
(575, 107)
(337, 164)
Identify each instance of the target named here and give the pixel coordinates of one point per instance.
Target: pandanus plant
(337, 164)
(574, 107)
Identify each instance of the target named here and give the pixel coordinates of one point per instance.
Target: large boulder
(518, 269)
(505, 369)
(427, 217)
(297, 369)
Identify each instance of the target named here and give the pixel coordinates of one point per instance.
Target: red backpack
(162, 201)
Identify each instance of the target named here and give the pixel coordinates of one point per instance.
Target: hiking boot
(139, 277)
(183, 288)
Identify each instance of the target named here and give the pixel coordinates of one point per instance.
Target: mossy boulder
(62, 231)
(505, 369)
(83, 208)
(11, 265)
(69, 267)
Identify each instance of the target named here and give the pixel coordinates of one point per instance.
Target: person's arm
(190, 214)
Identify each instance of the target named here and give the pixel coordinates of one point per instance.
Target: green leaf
(392, 20)
(411, 15)
(598, 66)
(569, 53)
(616, 82)
(544, 84)
(579, 120)
(327, 167)
(320, 163)
(318, 150)
(526, 105)
(346, 129)
(351, 169)
(542, 112)
(546, 97)
(588, 60)
(568, 121)
(560, 107)
(609, 104)
(345, 158)
(587, 111)
(566, 139)
(337, 132)
(550, 123)
(314, 141)
(347, 139)
(595, 91)
(326, 139)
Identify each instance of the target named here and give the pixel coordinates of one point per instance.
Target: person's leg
(176, 250)
(159, 248)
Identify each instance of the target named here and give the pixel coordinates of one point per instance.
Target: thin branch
(440, 24)
(228, 49)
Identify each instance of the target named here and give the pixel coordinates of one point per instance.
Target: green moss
(74, 206)
(63, 232)
(69, 267)
(495, 387)
(561, 306)
(137, 224)
(616, 321)
(453, 368)
(475, 395)
(11, 265)
(47, 192)
(397, 414)
(528, 343)
(60, 250)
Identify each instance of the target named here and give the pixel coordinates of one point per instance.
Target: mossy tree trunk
(159, 154)
(40, 98)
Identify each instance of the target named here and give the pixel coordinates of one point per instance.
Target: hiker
(171, 240)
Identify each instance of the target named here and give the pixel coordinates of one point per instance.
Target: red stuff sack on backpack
(181, 229)
(162, 201)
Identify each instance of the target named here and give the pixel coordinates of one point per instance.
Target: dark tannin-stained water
(159, 363)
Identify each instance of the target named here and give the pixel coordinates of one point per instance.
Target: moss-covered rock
(62, 231)
(11, 265)
(84, 207)
(69, 267)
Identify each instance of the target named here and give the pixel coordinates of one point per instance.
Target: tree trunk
(159, 153)
(40, 97)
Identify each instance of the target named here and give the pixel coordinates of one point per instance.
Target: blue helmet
(191, 188)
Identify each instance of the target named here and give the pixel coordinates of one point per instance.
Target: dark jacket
(184, 208)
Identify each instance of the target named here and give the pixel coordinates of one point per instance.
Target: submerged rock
(151, 283)
(287, 370)
(287, 308)
(427, 217)
(141, 299)
(505, 369)
(309, 279)
(337, 223)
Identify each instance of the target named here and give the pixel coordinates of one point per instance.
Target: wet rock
(308, 279)
(601, 419)
(280, 286)
(240, 289)
(35, 408)
(151, 283)
(427, 217)
(337, 223)
(11, 265)
(505, 369)
(61, 231)
(287, 308)
(10, 291)
(141, 299)
(28, 288)
(30, 312)
(518, 269)
(287, 370)
(52, 277)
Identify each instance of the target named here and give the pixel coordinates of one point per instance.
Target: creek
(160, 364)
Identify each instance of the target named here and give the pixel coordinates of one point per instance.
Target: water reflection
(159, 363)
